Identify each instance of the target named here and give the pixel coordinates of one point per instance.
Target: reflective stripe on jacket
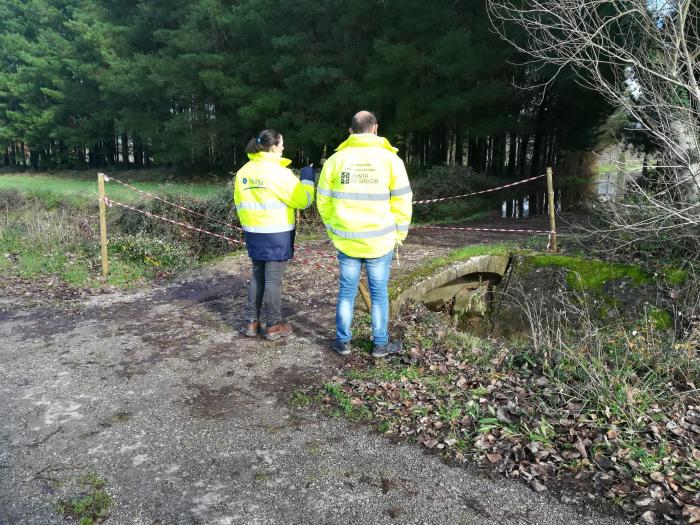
(364, 197)
(266, 193)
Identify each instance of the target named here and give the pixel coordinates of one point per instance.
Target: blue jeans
(378, 277)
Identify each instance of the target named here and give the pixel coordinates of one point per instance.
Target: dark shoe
(278, 330)
(251, 329)
(391, 347)
(341, 348)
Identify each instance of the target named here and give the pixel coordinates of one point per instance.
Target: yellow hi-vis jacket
(266, 193)
(364, 197)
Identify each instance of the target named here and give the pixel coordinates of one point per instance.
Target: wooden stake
(364, 292)
(552, 222)
(103, 222)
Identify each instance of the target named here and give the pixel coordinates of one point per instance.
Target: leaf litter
(482, 401)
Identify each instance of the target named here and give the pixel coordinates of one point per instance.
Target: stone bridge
(468, 282)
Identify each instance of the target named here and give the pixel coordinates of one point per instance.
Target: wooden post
(103, 222)
(552, 209)
(364, 292)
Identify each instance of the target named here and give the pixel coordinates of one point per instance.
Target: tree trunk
(512, 152)
(471, 147)
(93, 161)
(125, 150)
(438, 146)
(112, 149)
(146, 156)
(535, 163)
(34, 157)
(482, 148)
(23, 154)
(138, 155)
(522, 153)
(536, 152)
(459, 148)
(500, 153)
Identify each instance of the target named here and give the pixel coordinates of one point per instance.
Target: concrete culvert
(464, 289)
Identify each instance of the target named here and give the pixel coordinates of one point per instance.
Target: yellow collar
(366, 140)
(268, 156)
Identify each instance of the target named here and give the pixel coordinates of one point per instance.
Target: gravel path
(187, 422)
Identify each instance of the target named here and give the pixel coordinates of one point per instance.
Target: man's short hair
(363, 122)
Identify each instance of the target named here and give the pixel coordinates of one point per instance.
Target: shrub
(220, 208)
(443, 181)
(152, 251)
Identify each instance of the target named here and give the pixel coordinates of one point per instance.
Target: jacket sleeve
(323, 199)
(401, 197)
(293, 192)
(236, 192)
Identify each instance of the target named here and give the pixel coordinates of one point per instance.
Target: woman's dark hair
(264, 141)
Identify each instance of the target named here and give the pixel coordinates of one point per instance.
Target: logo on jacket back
(255, 183)
(359, 173)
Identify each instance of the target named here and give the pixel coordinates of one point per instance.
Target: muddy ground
(155, 392)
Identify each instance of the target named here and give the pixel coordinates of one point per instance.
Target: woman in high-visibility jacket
(266, 193)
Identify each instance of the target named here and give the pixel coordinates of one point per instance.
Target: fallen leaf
(430, 443)
(691, 513)
(494, 458)
(581, 448)
(656, 492)
(657, 476)
(570, 454)
(537, 486)
(502, 417)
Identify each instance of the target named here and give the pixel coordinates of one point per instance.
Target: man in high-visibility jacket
(364, 199)
(266, 193)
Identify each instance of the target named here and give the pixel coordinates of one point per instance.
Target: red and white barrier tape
(316, 252)
(134, 188)
(232, 226)
(500, 230)
(441, 199)
(319, 265)
(110, 202)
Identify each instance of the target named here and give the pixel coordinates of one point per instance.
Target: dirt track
(189, 423)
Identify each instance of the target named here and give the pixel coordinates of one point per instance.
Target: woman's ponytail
(264, 141)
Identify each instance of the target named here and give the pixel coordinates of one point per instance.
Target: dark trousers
(265, 291)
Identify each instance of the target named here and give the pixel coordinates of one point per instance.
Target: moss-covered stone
(616, 290)
(591, 274)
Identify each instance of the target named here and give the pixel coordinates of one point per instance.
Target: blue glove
(308, 173)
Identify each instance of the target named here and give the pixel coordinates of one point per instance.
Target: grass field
(52, 230)
(79, 187)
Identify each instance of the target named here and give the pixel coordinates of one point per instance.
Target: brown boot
(278, 330)
(251, 329)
